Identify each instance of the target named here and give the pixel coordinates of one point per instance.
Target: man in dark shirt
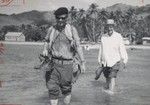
(63, 44)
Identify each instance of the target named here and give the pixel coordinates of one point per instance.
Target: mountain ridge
(34, 15)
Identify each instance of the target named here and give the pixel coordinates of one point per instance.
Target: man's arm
(79, 48)
(100, 54)
(46, 42)
(123, 52)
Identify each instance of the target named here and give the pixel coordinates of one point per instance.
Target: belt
(62, 61)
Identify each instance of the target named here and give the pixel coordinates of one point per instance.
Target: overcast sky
(17, 6)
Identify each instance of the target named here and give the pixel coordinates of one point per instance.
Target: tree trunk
(93, 30)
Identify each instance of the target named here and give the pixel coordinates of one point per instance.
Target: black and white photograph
(74, 52)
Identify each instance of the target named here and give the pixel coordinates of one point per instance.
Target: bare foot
(108, 91)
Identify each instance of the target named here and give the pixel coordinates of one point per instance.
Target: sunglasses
(63, 18)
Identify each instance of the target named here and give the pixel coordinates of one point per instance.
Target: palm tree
(130, 23)
(118, 17)
(73, 14)
(130, 18)
(81, 13)
(92, 14)
(82, 21)
(103, 15)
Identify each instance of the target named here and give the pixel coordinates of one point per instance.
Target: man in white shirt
(112, 55)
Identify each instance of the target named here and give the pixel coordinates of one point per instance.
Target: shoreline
(86, 46)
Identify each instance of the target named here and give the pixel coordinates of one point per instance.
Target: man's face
(61, 20)
(110, 28)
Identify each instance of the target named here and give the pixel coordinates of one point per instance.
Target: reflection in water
(107, 100)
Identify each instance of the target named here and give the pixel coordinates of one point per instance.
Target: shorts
(59, 80)
(111, 72)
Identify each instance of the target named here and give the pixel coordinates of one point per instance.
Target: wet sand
(23, 85)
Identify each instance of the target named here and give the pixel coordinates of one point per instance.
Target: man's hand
(45, 52)
(100, 64)
(122, 65)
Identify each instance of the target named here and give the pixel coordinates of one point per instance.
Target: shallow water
(26, 86)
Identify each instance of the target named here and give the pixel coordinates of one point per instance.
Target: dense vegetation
(90, 24)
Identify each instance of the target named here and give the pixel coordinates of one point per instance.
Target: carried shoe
(98, 73)
(97, 76)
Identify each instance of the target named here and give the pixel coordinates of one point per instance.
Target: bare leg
(67, 99)
(54, 102)
(112, 84)
(107, 83)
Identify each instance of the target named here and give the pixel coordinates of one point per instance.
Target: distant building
(126, 41)
(146, 40)
(15, 36)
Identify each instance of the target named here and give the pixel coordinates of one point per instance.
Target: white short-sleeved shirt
(112, 49)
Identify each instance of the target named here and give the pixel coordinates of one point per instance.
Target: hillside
(120, 6)
(23, 18)
(32, 16)
(143, 11)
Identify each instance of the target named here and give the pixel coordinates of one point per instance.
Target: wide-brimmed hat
(110, 21)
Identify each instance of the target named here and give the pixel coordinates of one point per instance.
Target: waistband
(62, 61)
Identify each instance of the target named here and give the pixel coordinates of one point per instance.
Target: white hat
(110, 21)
